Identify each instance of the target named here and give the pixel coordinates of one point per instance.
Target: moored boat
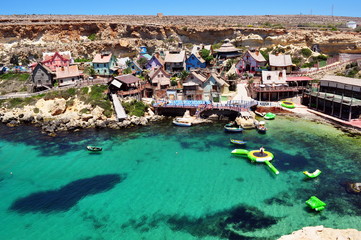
(232, 128)
(94, 149)
(261, 127)
(181, 122)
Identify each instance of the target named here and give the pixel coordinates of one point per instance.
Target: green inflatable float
(287, 104)
(315, 203)
(258, 156)
(314, 174)
(269, 116)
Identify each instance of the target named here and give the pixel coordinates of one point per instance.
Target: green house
(105, 64)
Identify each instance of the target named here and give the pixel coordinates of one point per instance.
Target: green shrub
(135, 108)
(92, 37)
(84, 111)
(36, 110)
(306, 52)
(15, 102)
(84, 90)
(15, 76)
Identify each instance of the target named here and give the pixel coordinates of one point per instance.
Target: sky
(350, 8)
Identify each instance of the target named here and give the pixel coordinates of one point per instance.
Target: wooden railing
(275, 89)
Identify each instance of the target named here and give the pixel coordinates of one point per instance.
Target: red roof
(51, 58)
(299, 79)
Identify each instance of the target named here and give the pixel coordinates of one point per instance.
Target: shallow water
(167, 182)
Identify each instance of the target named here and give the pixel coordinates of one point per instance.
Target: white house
(351, 24)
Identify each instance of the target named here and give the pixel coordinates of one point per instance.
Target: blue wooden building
(195, 61)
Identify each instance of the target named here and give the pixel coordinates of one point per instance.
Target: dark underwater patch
(289, 162)
(66, 197)
(225, 224)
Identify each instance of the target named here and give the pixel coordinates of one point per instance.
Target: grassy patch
(15, 76)
(135, 108)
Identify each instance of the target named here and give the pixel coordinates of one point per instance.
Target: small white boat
(181, 122)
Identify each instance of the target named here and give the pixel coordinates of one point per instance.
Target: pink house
(251, 62)
(54, 60)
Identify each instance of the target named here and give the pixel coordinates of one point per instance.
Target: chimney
(157, 55)
(257, 52)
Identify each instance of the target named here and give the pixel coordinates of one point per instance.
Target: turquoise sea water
(167, 182)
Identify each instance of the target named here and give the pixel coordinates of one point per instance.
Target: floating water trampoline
(287, 104)
(257, 156)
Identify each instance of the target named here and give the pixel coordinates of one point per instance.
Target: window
(61, 80)
(97, 65)
(280, 74)
(268, 77)
(105, 70)
(72, 79)
(98, 71)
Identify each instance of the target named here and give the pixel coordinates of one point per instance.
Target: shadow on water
(227, 224)
(67, 196)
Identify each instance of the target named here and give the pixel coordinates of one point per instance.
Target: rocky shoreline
(322, 233)
(54, 116)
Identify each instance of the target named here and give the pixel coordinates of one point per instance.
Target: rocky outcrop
(54, 115)
(29, 36)
(322, 233)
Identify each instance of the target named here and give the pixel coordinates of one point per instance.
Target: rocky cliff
(29, 36)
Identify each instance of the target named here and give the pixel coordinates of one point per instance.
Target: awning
(190, 84)
(298, 79)
(116, 83)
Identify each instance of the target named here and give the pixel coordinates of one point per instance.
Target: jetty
(119, 110)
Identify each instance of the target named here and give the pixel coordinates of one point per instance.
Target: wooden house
(136, 69)
(127, 85)
(227, 50)
(204, 86)
(52, 60)
(251, 61)
(175, 60)
(195, 61)
(67, 75)
(336, 96)
(104, 64)
(42, 77)
(198, 48)
(155, 62)
(280, 62)
(159, 78)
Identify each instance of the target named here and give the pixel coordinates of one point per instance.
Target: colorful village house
(227, 50)
(280, 62)
(214, 87)
(198, 48)
(136, 69)
(203, 86)
(274, 87)
(195, 61)
(144, 53)
(52, 60)
(42, 77)
(175, 60)
(155, 62)
(252, 61)
(127, 85)
(67, 75)
(104, 64)
(159, 78)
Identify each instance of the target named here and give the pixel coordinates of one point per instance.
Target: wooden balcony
(134, 91)
(275, 89)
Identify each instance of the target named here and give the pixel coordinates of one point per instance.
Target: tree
(142, 61)
(183, 75)
(127, 70)
(205, 54)
(89, 70)
(14, 60)
(306, 52)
